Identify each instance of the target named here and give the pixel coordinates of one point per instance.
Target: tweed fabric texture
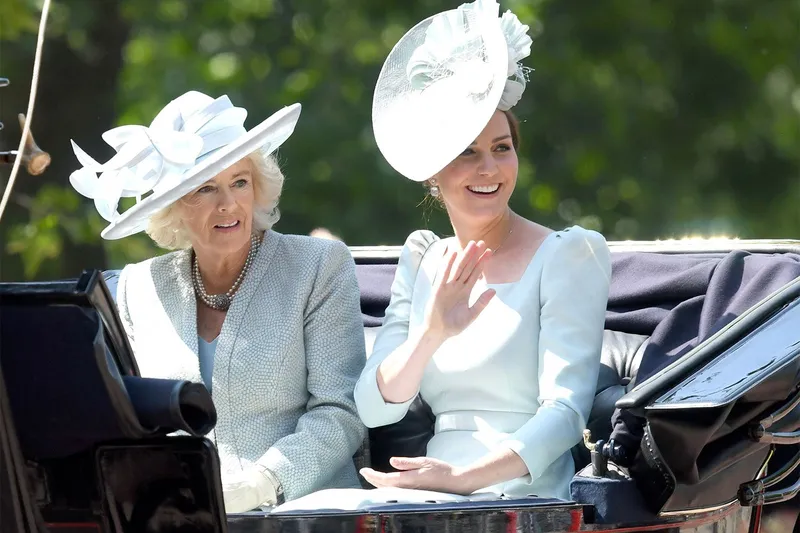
(288, 356)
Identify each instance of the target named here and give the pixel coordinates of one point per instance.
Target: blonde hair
(167, 231)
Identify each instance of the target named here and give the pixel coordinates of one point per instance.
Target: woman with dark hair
(498, 328)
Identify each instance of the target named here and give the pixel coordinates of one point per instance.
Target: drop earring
(434, 190)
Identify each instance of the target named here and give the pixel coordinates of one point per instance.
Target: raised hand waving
(449, 311)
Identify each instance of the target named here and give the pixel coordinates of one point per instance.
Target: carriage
(85, 445)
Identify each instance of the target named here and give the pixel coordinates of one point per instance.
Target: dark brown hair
(513, 126)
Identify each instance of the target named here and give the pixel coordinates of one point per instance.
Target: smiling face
(219, 214)
(477, 184)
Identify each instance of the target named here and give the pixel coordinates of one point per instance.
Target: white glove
(247, 489)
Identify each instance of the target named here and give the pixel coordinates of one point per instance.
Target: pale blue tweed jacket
(286, 362)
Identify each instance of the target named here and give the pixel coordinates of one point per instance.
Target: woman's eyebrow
(498, 139)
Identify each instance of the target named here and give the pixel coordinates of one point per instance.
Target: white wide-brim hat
(443, 81)
(194, 138)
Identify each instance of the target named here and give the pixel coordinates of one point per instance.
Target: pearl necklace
(221, 302)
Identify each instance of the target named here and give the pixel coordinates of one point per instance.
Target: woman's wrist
(468, 479)
(274, 491)
(432, 337)
(496, 467)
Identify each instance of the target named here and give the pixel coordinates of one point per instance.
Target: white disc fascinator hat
(191, 140)
(442, 82)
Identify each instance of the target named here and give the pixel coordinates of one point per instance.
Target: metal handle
(782, 412)
(755, 492)
(759, 431)
(760, 434)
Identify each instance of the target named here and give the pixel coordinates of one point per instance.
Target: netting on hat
(439, 87)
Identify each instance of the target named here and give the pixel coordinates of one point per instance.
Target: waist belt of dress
(492, 421)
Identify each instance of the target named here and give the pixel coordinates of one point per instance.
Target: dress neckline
(528, 268)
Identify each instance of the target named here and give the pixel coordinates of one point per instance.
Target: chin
(231, 242)
(485, 212)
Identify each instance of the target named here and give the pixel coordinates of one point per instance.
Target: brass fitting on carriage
(599, 462)
(602, 452)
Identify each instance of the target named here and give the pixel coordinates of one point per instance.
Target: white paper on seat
(355, 499)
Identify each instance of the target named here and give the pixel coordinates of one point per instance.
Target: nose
(487, 165)
(225, 200)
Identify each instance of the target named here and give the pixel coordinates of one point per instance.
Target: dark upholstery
(56, 344)
(615, 497)
(619, 361)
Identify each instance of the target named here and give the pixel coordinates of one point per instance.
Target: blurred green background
(643, 119)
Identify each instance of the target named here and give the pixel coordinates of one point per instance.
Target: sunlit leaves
(368, 52)
(303, 28)
(36, 241)
(40, 239)
(255, 8)
(260, 66)
(223, 66)
(629, 189)
(298, 83)
(320, 171)
(242, 34)
(141, 50)
(650, 121)
(607, 197)
(17, 17)
(173, 10)
(542, 198)
(211, 41)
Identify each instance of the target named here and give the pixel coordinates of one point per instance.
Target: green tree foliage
(641, 119)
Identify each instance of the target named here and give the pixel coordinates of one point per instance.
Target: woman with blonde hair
(269, 322)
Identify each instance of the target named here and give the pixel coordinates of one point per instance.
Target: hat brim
(420, 132)
(267, 136)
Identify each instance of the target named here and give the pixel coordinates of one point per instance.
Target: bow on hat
(453, 46)
(155, 158)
